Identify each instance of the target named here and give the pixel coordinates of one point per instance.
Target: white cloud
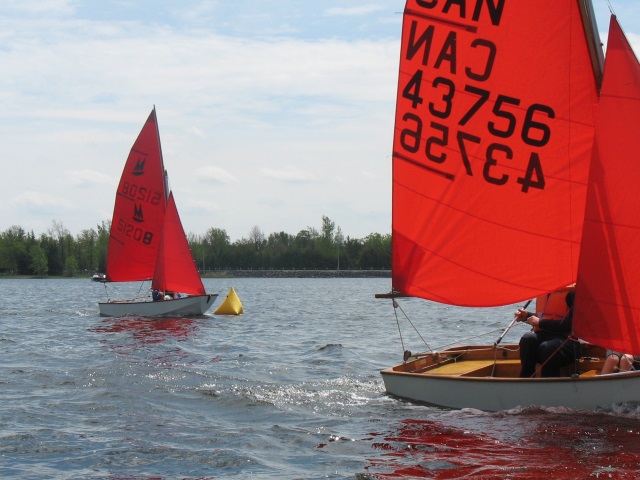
(40, 201)
(217, 174)
(288, 174)
(202, 206)
(196, 131)
(247, 94)
(38, 6)
(355, 11)
(88, 178)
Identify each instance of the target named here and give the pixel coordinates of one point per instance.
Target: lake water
(291, 389)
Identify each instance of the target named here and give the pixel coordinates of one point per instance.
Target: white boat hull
(494, 394)
(185, 306)
(425, 380)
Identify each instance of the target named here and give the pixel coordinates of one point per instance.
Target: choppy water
(289, 390)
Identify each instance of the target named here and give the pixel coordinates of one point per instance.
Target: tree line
(58, 253)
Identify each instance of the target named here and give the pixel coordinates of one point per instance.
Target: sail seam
(414, 13)
(448, 176)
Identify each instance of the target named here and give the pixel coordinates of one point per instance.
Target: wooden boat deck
(472, 361)
(473, 367)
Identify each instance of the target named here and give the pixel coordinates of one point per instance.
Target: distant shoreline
(251, 273)
(283, 273)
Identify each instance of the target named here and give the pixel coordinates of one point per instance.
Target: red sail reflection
(533, 445)
(150, 330)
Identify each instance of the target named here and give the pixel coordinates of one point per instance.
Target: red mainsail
(176, 270)
(139, 210)
(493, 137)
(608, 287)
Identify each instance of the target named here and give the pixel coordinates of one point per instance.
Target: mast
(593, 39)
(165, 176)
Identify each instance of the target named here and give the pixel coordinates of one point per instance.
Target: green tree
(58, 252)
(86, 250)
(376, 251)
(339, 238)
(328, 227)
(257, 238)
(216, 245)
(352, 249)
(196, 245)
(70, 266)
(60, 235)
(39, 264)
(14, 256)
(102, 245)
(243, 254)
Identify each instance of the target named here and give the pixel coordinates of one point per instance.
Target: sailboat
(147, 240)
(515, 176)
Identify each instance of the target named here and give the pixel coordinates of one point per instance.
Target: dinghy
(147, 240)
(515, 174)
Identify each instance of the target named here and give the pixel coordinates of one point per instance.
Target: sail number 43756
(533, 130)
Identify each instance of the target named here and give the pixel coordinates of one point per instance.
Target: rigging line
(108, 291)
(610, 8)
(457, 342)
(443, 361)
(539, 369)
(495, 362)
(461, 352)
(460, 341)
(397, 305)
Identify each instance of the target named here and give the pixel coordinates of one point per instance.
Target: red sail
(176, 270)
(139, 209)
(493, 138)
(607, 293)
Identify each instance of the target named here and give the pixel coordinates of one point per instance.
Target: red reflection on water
(149, 330)
(527, 445)
(115, 476)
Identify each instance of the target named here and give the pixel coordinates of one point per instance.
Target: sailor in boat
(618, 362)
(157, 295)
(549, 343)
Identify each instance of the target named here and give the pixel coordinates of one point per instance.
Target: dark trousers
(542, 348)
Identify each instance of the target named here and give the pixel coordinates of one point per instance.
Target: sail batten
(492, 144)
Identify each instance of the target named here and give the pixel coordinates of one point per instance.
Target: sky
(272, 113)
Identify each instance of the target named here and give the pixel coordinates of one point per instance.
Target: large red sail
(608, 288)
(139, 209)
(176, 270)
(493, 138)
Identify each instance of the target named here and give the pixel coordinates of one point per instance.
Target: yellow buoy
(231, 305)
